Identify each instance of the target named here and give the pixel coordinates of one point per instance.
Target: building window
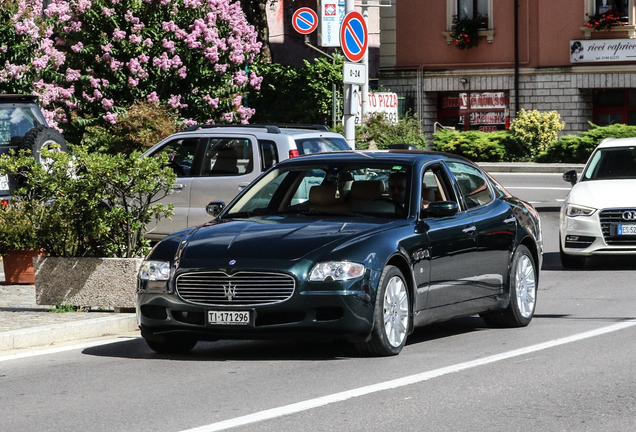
(615, 106)
(462, 9)
(603, 6)
(472, 9)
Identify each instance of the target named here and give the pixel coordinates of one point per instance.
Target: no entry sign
(305, 20)
(353, 36)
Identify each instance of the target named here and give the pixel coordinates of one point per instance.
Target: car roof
(391, 156)
(617, 142)
(17, 98)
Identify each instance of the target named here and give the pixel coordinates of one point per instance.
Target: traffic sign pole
(365, 61)
(349, 119)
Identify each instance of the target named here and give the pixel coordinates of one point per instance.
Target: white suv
(215, 162)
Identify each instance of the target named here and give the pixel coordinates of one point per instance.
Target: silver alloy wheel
(51, 146)
(396, 311)
(526, 286)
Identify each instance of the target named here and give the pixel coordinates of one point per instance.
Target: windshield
(338, 189)
(321, 145)
(16, 120)
(612, 163)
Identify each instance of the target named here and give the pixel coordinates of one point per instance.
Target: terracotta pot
(18, 266)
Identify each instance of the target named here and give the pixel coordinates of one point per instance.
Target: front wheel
(391, 315)
(523, 293)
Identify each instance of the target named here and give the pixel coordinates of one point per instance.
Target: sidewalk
(25, 324)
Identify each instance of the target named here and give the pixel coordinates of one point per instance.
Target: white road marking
(537, 188)
(400, 382)
(46, 351)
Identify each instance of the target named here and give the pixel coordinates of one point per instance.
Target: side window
(472, 184)
(433, 187)
(180, 155)
(228, 157)
(269, 154)
(320, 145)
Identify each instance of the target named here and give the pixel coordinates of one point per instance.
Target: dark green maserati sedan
(360, 246)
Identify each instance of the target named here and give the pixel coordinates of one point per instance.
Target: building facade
(576, 57)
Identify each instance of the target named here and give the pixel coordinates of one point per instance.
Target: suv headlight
(573, 210)
(154, 270)
(336, 271)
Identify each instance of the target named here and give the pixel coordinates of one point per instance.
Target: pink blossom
(214, 103)
(228, 117)
(240, 78)
(111, 117)
(220, 68)
(107, 103)
(107, 12)
(107, 48)
(119, 35)
(72, 74)
(3, 48)
(133, 38)
(77, 47)
(97, 94)
(175, 102)
(152, 97)
(169, 45)
(143, 58)
(133, 82)
(189, 122)
(182, 72)
(148, 42)
(237, 100)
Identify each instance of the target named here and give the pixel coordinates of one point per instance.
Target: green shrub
(90, 204)
(536, 130)
(143, 125)
(18, 232)
(377, 130)
(577, 149)
(479, 146)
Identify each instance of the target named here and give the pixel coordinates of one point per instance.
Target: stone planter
(18, 266)
(86, 282)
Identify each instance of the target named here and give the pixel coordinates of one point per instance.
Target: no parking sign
(353, 36)
(305, 20)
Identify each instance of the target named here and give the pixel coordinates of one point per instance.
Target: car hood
(602, 194)
(280, 239)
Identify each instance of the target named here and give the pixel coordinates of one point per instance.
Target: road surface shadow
(552, 261)
(279, 350)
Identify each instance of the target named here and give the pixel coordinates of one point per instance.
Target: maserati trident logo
(629, 215)
(230, 291)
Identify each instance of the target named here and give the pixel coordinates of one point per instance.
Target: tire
(43, 137)
(523, 293)
(391, 317)
(570, 261)
(171, 345)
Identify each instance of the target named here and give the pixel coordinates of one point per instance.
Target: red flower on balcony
(605, 21)
(465, 31)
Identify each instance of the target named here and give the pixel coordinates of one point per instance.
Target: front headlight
(154, 270)
(336, 271)
(573, 210)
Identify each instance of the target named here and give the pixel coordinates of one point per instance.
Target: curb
(64, 332)
(529, 167)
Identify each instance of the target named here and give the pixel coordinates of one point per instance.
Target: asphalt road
(570, 370)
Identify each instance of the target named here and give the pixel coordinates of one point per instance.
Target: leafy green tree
(536, 130)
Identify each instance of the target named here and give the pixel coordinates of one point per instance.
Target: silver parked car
(216, 162)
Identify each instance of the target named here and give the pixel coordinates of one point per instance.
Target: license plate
(229, 317)
(4, 182)
(626, 230)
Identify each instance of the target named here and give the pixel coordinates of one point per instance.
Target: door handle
(510, 220)
(470, 229)
(177, 186)
(243, 185)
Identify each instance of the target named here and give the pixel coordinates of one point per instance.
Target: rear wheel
(171, 345)
(391, 316)
(523, 293)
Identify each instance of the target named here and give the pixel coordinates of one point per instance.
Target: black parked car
(361, 246)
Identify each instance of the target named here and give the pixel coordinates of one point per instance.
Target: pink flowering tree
(89, 60)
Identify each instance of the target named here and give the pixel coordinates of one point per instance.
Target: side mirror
(571, 177)
(215, 208)
(442, 208)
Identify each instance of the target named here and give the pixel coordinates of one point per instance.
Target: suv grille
(610, 219)
(240, 289)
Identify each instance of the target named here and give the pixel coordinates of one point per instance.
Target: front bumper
(306, 314)
(585, 236)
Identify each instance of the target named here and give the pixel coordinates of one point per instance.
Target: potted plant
(606, 20)
(18, 244)
(465, 31)
(89, 212)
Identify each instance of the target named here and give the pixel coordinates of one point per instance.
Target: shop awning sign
(602, 50)
(305, 20)
(354, 36)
